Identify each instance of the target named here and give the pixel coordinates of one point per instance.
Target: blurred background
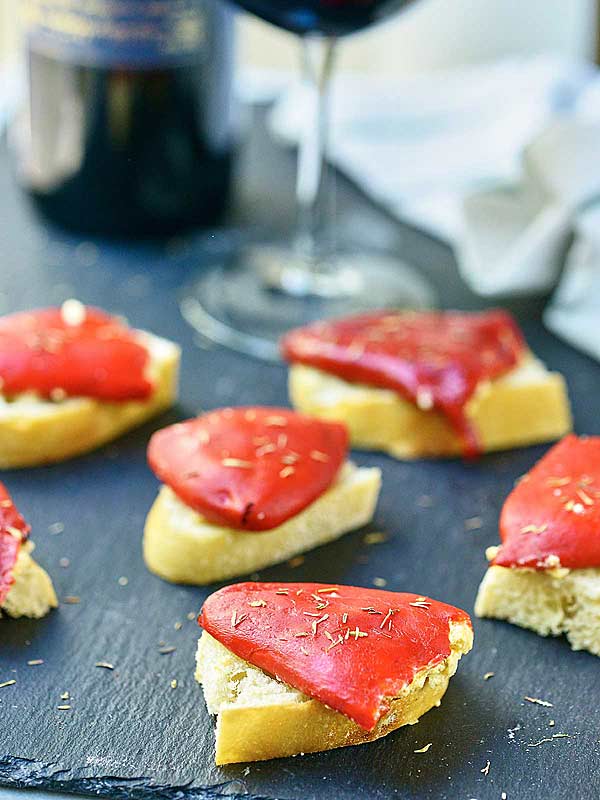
(434, 34)
(437, 34)
(476, 122)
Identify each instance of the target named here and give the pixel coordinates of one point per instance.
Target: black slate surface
(128, 733)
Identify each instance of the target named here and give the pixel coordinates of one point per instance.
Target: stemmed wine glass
(250, 299)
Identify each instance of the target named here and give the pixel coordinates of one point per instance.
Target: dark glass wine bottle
(128, 125)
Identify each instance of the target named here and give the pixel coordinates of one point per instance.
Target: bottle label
(139, 34)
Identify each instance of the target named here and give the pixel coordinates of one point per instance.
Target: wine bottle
(128, 126)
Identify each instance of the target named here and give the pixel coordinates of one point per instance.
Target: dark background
(129, 734)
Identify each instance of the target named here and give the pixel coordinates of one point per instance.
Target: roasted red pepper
(249, 468)
(13, 532)
(91, 355)
(552, 517)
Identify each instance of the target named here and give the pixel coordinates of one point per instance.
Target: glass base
(247, 302)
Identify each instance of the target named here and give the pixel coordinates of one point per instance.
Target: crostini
(290, 668)
(244, 488)
(73, 378)
(25, 588)
(546, 573)
(427, 384)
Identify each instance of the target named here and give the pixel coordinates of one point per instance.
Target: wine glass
(250, 299)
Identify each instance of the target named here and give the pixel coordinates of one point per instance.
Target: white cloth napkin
(546, 227)
(419, 145)
(515, 237)
(574, 312)
(12, 83)
(501, 160)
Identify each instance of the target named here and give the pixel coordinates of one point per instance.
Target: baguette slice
(546, 575)
(182, 547)
(32, 593)
(36, 431)
(259, 717)
(526, 406)
(550, 602)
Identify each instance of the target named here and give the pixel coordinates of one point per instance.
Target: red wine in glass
(248, 302)
(327, 17)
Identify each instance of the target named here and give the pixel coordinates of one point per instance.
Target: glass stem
(314, 238)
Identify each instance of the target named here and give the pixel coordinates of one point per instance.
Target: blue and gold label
(139, 34)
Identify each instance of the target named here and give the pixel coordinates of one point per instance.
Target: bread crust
(549, 602)
(181, 547)
(256, 731)
(521, 408)
(34, 432)
(258, 734)
(32, 594)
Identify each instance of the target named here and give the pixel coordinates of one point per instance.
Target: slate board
(129, 734)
